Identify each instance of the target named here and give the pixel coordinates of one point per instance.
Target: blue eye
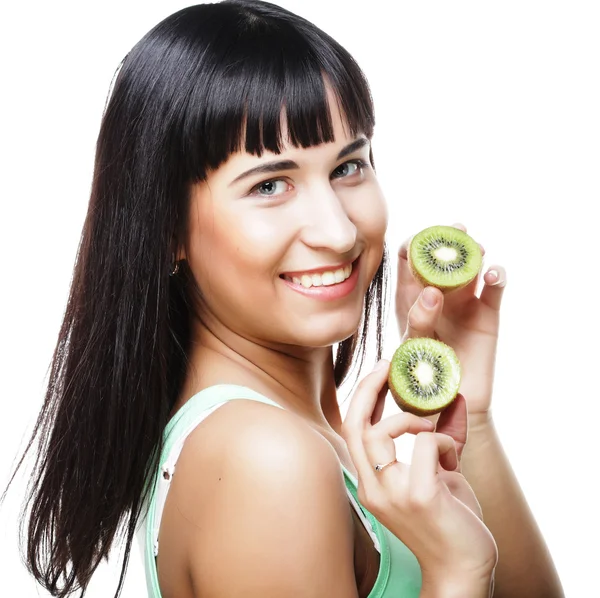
(269, 188)
(360, 165)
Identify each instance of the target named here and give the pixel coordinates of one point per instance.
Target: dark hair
(182, 101)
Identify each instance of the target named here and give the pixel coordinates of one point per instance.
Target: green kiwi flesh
(424, 376)
(444, 257)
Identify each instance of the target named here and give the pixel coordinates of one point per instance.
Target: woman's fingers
(493, 289)
(368, 443)
(365, 397)
(459, 226)
(403, 251)
(424, 314)
(453, 422)
(402, 423)
(405, 276)
(359, 414)
(431, 450)
(379, 404)
(379, 440)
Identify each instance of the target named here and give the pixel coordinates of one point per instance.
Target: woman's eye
(349, 168)
(276, 187)
(269, 188)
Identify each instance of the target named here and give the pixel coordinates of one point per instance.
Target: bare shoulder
(266, 513)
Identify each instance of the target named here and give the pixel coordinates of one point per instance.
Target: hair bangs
(265, 70)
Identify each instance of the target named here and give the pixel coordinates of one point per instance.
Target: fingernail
(494, 274)
(429, 298)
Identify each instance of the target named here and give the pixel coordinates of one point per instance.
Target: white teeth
(328, 278)
(324, 279)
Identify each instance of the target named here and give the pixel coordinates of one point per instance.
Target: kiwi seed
(444, 257)
(424, 376)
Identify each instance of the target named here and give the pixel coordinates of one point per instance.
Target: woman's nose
(328, 224)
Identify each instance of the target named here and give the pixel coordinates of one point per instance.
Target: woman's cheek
(372, 214)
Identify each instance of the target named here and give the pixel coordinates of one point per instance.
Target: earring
(174, 269)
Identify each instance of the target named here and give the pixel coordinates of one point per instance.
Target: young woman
(235, 234)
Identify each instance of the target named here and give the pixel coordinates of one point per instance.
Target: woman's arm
(525, 568)
(470, 324)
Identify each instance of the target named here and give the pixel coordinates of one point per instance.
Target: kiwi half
(444, 257)
(424, 376)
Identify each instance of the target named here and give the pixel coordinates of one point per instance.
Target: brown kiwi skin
(426, 283)
(411, 408)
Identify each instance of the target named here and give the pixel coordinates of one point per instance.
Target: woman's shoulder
(257, 485)
(247, 436)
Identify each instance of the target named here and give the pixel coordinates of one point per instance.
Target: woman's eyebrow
(268, 167)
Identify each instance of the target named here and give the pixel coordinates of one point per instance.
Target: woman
(235, 234)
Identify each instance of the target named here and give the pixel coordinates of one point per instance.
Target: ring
(380, 467)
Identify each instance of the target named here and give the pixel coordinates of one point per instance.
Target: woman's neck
(300, 379)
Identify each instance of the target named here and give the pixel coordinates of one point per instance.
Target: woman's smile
(328, 285)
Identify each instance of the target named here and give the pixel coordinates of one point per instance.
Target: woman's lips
(329, 292)
(300, 273)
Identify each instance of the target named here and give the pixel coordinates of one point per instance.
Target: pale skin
(470, 324)
(250, 463)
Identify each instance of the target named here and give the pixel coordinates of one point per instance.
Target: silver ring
(379, 467)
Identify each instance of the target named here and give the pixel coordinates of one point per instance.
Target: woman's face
(252, 234)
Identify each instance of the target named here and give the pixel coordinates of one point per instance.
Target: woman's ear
(179, 252)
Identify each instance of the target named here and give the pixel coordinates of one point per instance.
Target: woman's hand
(461, 319)
(428, 504)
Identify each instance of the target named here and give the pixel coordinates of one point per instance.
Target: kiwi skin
(409, 407)
(427, 283)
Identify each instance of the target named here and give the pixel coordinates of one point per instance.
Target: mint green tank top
(399, 573)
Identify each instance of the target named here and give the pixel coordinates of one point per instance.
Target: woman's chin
(329, 333)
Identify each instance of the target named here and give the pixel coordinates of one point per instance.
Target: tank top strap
(197, 406)
(195, 410)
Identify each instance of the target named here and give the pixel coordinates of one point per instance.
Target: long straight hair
(207, 81)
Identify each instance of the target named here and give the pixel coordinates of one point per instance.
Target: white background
(486, 114)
